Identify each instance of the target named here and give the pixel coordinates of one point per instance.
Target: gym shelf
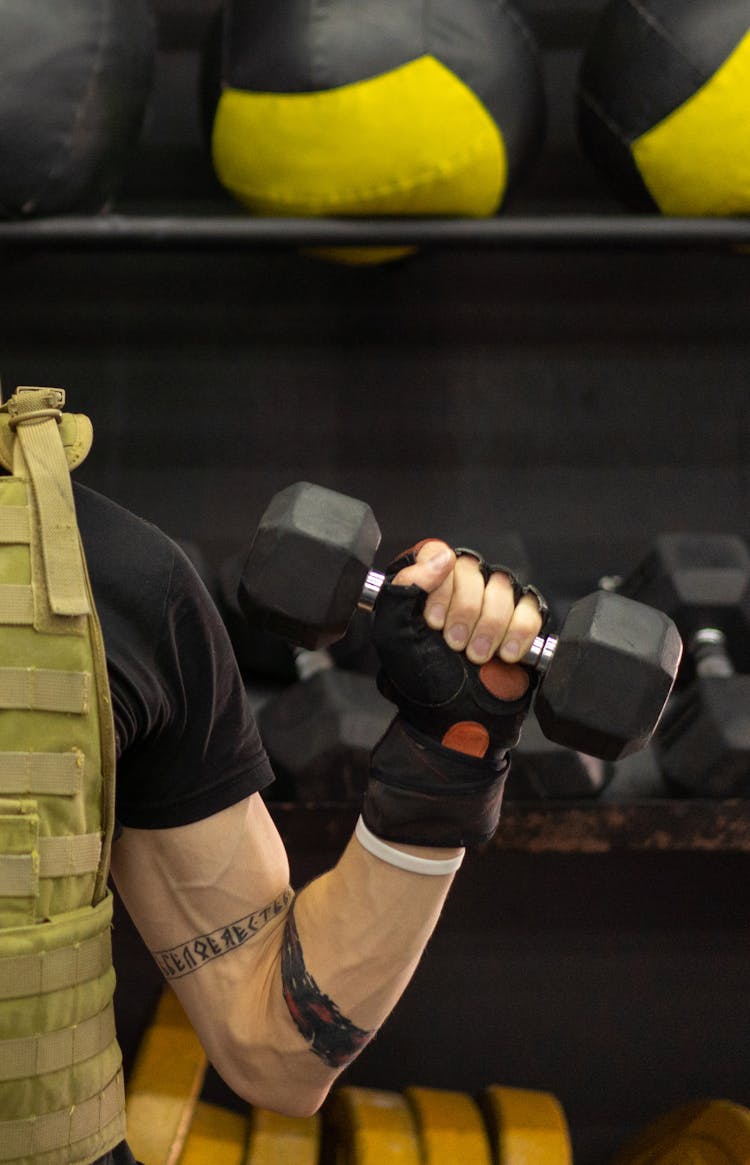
(553, 827)
(117, 231)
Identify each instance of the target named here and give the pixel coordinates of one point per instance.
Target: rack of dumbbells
(660, 756)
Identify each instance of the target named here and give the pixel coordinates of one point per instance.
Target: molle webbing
(61, 1093)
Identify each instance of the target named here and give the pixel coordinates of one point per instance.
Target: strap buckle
(50, 402)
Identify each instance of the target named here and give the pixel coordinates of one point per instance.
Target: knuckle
(500, 585)
(527, 619)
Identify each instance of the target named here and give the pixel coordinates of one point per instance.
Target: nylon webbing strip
(16, 604)
(59, 857)
(14, 524)
(41, 773)
(64, 857)
(48, 469)
(29, 1138)
(18, 879)
(44, 690)
(26, 975)
(53, 1051)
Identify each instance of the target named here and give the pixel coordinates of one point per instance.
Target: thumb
(435, 561)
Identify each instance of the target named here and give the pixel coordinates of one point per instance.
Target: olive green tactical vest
(61, 1092)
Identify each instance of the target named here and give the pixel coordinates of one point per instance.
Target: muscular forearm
(363, 927)
(349, 947)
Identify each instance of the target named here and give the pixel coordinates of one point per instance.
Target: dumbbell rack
(664, 826)
(126, 231)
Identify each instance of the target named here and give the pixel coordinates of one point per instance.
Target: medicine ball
(381, 107)
(74, 84)
(664, 104)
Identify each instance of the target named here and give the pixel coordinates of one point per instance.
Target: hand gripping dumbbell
(605, 678)
(703, 582)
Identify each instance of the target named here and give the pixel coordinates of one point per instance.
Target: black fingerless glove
(438, 774)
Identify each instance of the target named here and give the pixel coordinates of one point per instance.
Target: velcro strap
(44, 690)
(35, 1055)
(19, 849)
(25, 975)
(34, 1136)
(59, 857)
(41, 773)
(16, 604)
(14, 525)
(64, 857)
(39, 439)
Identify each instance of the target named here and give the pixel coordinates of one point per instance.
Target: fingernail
(480, 647)
(436, 615)
(457, 635)
(440, 559)
(511, 651)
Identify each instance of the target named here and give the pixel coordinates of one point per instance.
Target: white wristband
(403, 861)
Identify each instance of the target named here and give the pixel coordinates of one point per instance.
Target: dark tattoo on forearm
(189, 956)
(332, 1037)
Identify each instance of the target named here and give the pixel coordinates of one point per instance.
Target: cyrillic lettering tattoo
(188, 957)
(332, 1037)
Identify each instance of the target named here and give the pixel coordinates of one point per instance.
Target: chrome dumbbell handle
(708, 648)
(371, 588)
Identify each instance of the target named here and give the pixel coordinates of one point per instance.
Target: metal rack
(659, 826)
(533, 232)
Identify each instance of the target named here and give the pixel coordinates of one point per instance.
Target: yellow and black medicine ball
(664, 104)
(373, 107)
(75, 81)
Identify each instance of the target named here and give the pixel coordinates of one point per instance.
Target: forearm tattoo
(192, 955)
(331, 1036)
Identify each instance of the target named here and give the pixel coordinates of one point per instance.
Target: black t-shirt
(187, 743)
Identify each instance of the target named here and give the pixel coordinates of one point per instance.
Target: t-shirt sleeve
(188, 742)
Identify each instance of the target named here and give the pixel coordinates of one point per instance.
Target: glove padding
(437, 776)
(439, 691)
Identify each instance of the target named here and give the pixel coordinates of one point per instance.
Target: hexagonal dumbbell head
(700, 580)
(611, 674)
(319, 734)
(308, 563)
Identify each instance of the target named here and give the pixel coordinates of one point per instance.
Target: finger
(524, 626)
(437, 603)
(433, 567)
(494, 620)
(466, 602)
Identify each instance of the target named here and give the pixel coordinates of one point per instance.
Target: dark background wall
(587, 398)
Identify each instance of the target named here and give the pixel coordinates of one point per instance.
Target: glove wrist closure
(421, 793)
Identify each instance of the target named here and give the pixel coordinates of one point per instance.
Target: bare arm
(285, 992)
(214, 910)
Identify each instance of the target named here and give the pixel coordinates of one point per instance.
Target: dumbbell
(547, 771)
(605, 678)
(703, 581)
(319, 732)
(700, 580)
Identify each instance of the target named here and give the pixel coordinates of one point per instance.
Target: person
(312, 975)
(284, 988)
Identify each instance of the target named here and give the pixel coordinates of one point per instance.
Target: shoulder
(141, 583)
(122, 550)
(139, 575)
(186, 740)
